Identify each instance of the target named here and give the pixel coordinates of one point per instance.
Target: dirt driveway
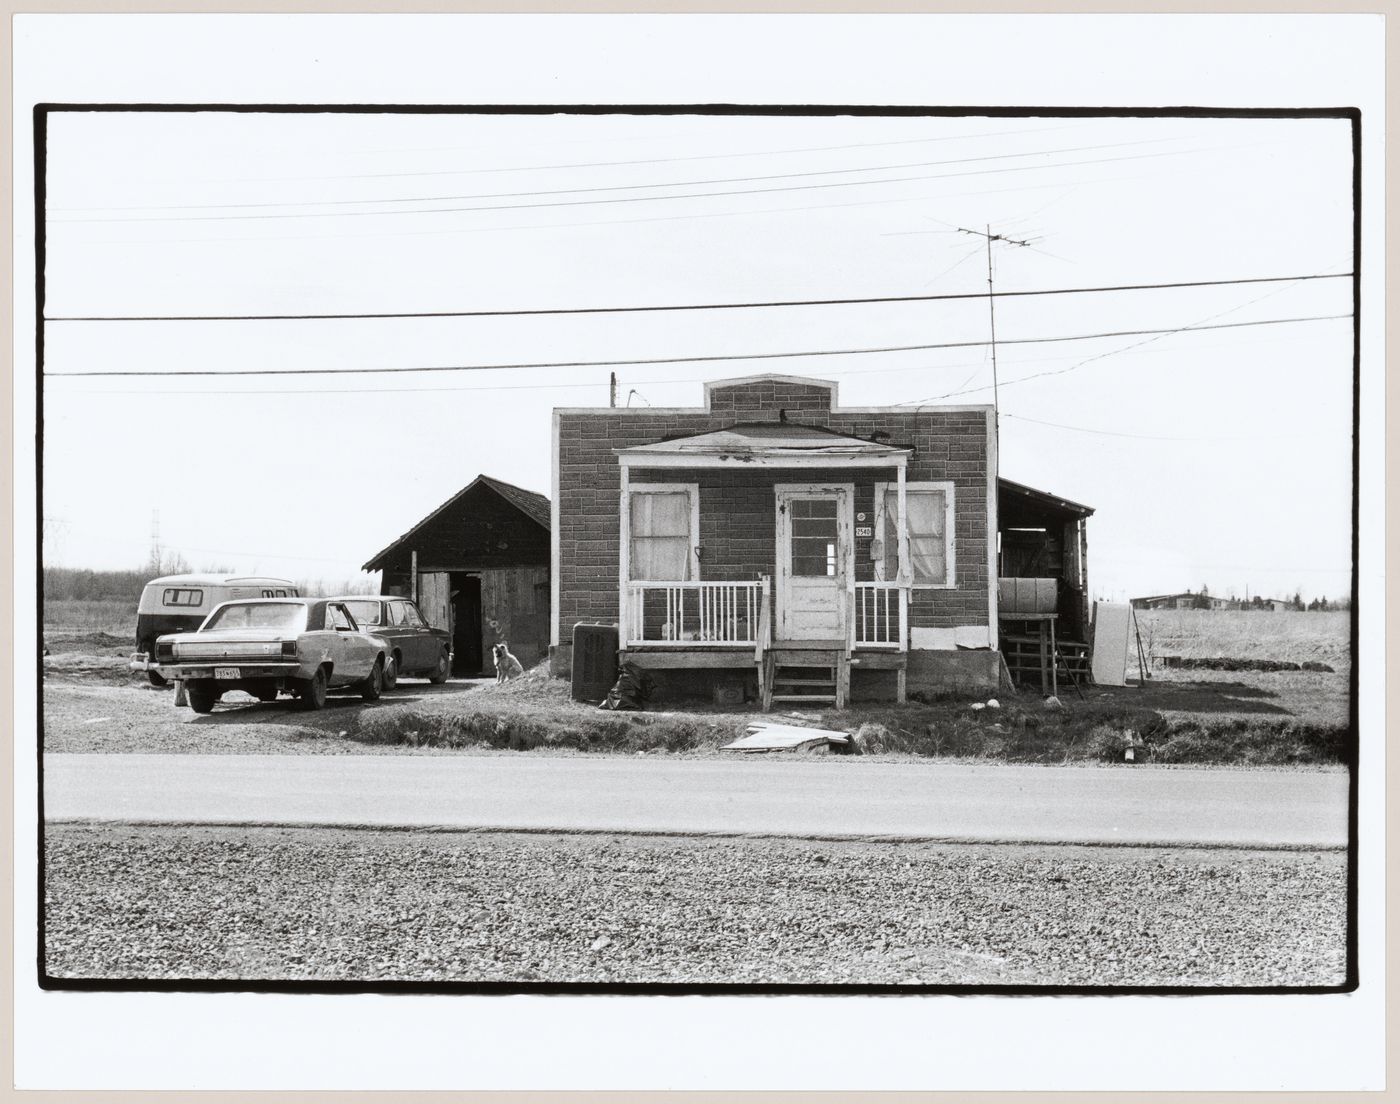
(93, 704)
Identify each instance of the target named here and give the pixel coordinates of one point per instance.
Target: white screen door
(813, 561)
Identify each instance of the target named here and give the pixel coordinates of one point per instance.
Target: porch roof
(765, 445)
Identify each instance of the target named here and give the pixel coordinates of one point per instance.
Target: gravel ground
(295, 904)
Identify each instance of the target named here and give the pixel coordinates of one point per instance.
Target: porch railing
(880, 616)
(696, 614)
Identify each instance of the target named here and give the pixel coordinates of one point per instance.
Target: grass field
(1288, 636)
(110, 615)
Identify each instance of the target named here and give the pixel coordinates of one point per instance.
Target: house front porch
(753, 550)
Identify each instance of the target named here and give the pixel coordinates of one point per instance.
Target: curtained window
(662, 547)
(930, 507)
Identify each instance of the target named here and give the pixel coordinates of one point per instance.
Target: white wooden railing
(880, 616)
(696, 615)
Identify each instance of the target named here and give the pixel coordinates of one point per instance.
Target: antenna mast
(991, 307)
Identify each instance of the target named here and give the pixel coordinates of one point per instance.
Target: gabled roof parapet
(739, 382)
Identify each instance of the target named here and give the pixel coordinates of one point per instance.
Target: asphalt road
(788, 797)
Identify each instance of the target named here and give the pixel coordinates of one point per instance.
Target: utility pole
(612, 388)
(991, 307)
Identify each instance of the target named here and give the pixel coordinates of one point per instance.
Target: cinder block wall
(737, 519)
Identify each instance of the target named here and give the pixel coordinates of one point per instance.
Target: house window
(663, 529)
(930, 507)
(814, 536)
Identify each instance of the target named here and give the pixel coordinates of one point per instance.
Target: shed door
(814, 562)
(434, 600)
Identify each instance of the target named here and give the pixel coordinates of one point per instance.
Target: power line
(556, 386)
(679, 360)
(1142, 436)
(981, 193)
(533, 312)
(644, 161)
(585, 191)
(1200, 324)
(626, 199)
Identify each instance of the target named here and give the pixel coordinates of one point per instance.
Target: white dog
(507, 666)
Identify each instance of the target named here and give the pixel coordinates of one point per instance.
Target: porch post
(624, 554)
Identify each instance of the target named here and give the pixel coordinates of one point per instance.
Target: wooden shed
(478, 566)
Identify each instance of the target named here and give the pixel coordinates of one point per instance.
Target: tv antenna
(991, 305)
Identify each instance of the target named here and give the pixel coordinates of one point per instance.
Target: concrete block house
(772, 537)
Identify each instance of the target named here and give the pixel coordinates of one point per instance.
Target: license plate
(226, 672)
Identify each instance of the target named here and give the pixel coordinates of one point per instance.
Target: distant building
(1186, 600)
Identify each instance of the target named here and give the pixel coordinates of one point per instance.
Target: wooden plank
(671, 660)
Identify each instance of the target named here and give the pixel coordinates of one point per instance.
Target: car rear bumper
(246, 671)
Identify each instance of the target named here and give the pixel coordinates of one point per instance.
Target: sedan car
(304, 646)
(415, 647)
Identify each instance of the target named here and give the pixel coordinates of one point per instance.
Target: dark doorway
(467, 657)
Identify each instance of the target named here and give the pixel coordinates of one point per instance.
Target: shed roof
(1043, 498)
(533, 505)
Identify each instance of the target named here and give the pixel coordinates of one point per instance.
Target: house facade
(815, 551)
(478, 566)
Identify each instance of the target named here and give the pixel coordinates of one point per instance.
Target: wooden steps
(806, 673)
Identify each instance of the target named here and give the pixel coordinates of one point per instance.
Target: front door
(813, 561)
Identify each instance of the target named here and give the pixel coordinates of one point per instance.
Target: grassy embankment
(536, 713)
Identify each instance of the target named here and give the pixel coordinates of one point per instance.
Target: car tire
(373, 686)
(155, 678)
(391, 672)
(312, 695)
(201, 695)
(442, 670)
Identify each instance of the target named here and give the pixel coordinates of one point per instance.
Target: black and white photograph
(497, 547)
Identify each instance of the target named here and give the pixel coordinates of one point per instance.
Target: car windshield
(258, 615)
(364, 613)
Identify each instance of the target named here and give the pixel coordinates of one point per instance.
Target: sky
(1215, 457)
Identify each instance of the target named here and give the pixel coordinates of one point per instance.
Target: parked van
(180, 603)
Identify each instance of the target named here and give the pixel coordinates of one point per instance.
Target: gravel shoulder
(327, 904)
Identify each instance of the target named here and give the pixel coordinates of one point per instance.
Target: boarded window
(661, 537)
(930, 536)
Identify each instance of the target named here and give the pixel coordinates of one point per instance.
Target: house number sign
(863, 531)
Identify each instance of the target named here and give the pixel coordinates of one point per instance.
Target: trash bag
(633, 689)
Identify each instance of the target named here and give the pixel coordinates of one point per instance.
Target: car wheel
(391, 672)
(201, 695)
(155, 678)
(442, 670)
(313, 691)
(373, 686)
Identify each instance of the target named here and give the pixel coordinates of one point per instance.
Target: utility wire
(981, 193)
(1142, 436)
(683, 360)
(690, 306)
(645, 161)
(585, 191)
(841, 373)
(1199, 324)
(627, 199)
